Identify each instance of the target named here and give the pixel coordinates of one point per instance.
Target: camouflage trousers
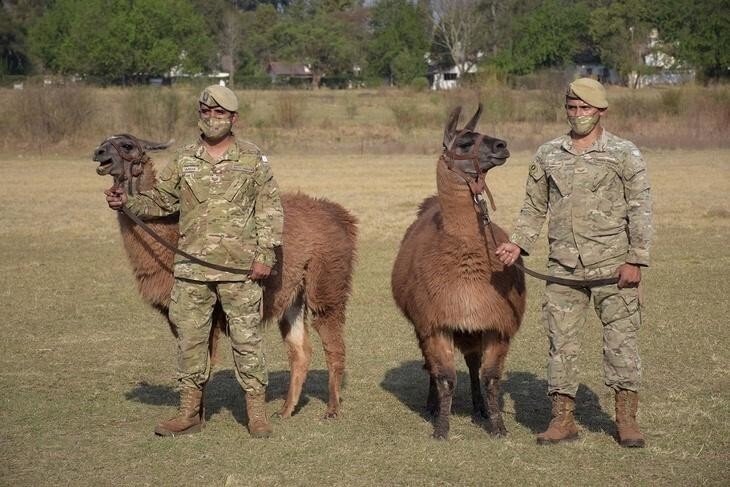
(564, 314)
(191, 310)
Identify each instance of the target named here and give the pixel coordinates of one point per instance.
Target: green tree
(118, 39)
(257, 49)
(400, 40)
(15, 18)
(225, 23)
(697, 33)
(323, 41)
(620, 31)
(550, 34)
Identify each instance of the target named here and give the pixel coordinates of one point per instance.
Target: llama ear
(474, 120)
(450, 130)
(155, 146)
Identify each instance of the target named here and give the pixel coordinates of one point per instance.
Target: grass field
(86, 368)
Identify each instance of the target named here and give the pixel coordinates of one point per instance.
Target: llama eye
(127, 146)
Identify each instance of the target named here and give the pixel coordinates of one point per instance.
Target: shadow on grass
(224, 393)
(409, 384)
(532, 405)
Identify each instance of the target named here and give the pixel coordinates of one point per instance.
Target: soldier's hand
(115, 198)
(629, 275)
(259, 271)
(508, 253)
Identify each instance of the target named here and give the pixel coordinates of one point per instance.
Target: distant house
(588, 65)
(667, 70)
(446, 77)
(284, 72)
(599, 72)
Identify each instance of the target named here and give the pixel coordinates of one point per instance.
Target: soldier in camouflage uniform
(231, 215)
(595, 187)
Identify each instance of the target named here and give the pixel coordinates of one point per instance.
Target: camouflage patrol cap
(588, 90)
(216, 95)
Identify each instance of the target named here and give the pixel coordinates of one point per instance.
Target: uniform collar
(598, 146)
(231, 154)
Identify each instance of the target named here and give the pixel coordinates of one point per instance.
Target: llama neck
(146, 180)
(457, 208)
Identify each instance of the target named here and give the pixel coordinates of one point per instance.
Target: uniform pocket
(630, 297)
(237, 188)
(198, 189)
(562, 183)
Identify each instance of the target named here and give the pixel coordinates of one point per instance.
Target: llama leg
(330, 328)
(495, 352)
(439, 350)
(299, 349)
(432, 403)
(473, 361)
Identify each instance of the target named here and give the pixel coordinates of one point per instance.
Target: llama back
(317, 256)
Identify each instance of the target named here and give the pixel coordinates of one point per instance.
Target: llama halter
(135, 163)
(478, 187)
(477, 184)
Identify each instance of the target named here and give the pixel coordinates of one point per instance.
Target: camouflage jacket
(599, 202)
(230, 209)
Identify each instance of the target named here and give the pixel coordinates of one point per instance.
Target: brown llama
(449, 283)
(309, 285)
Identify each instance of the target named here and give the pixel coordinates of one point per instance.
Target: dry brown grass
(86, 369)
(58, 119)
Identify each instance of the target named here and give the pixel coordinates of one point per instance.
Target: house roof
(278, 68)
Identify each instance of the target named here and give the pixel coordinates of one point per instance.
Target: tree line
(392, 40)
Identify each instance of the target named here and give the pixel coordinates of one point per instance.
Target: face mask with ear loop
(215, 128)
(583, 124)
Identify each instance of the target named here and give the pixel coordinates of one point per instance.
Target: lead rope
(119, 181)
(481, 203)
(169, 246)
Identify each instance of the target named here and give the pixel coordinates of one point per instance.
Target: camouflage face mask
(215, 128)
(583, 124)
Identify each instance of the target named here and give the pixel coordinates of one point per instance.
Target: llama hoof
(499, 433)
(497, 429)
(331, 415)
(440, 436)
(479, 419)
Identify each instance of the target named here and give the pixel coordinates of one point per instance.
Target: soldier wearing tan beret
(595, 189)
(230, 215)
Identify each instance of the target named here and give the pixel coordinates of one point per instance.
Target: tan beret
(588, 90)
(216, 95)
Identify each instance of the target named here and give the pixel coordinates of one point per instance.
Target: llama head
(123, 155)
(459, 145)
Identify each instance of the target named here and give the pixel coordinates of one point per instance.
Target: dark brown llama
(449, 283)
(309, 285)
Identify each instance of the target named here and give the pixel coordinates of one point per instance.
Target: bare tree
(462, 28)
(229, 40)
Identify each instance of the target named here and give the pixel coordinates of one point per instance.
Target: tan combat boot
(629, 435)
(190, 416)
(258, 423)
(562, 427)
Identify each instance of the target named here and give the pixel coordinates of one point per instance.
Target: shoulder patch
(536, 171)
(166, 173)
